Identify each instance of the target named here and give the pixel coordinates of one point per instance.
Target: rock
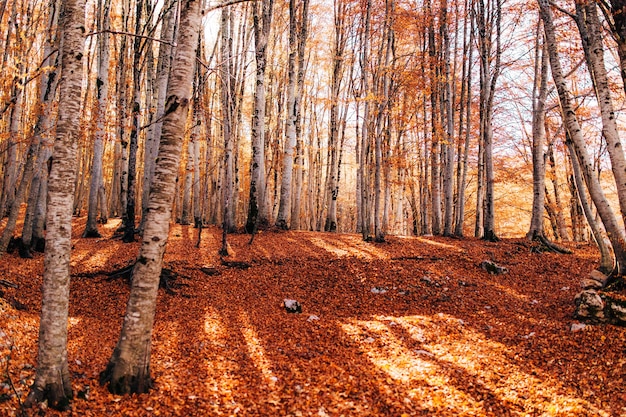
(292, 306)
(589, 305)
(576, 327)
(493, 268)
(590, 284)
(312, 317)
(379, 290)
(599, 276)
(617, 311)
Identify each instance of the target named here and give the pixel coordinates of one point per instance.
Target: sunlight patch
(347, 247)
(256, 351)
(363, 247)
(486, 365)
(219, 381)
(439, 244)
(414, 370)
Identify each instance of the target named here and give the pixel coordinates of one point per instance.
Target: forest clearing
(412, 326)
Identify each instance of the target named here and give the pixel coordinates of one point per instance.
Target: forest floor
(409, 327)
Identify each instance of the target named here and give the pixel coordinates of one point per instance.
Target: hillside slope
(409, 327)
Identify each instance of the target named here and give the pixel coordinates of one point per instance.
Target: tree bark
(128, 370)
(257, 209)
(52, 378)
(590, 30)
(540, 93)
(102, 96)
(284, 208)
(615, 232)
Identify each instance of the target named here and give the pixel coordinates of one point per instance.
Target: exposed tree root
(548, 246)
(166, 280)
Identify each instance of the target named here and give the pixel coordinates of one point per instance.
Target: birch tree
(102, 96)
(615, 232)
(540, 93)
(591, 36)
(128, 370)
(257, 209)
(488, 15)
(284, 208)
(52, 378)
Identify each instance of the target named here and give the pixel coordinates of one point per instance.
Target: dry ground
(405, 328)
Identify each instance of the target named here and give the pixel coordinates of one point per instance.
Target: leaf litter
(409, 327)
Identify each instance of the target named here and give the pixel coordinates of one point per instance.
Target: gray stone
(589, 305)
(576, 327)
(493, 268)
(599, 276)
(618, 311)
(292, 306)
(590, 284)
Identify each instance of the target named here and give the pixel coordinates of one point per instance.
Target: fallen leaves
(410, 327)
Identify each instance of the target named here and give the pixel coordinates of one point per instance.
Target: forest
(435, 190)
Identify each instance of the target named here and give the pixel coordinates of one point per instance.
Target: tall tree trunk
(257, 209)
(540, 93)
(52, 378)
(466, 92)
(38, 151)
(299, 152)
(615, 232)
(590, 30)
(102, 97)
(339, 44)
(129, 227)
(606, 259)
(448, 111)
(488, 18)
(284, 208)
(128, 370)
(365, 128)
(227, 88)
(435, 168)
(164, 63)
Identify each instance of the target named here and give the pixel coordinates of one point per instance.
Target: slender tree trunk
(540, 93)
(164, 63)
(257, 209)
(462, 183)
(590, 30)
(128, 370)
(129, 227)
(488, 20)
(606, 259)
(365, 128)
(448, 110)
(299, 152)
(102, 97)
(284, 208)
(615, 232)
(435, 180)
(339, 44)
(52, 378)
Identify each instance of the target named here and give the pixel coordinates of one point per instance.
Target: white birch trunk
(615, 232)
(284, 208)
(52, 378)
(102, 96)
(129, 367)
